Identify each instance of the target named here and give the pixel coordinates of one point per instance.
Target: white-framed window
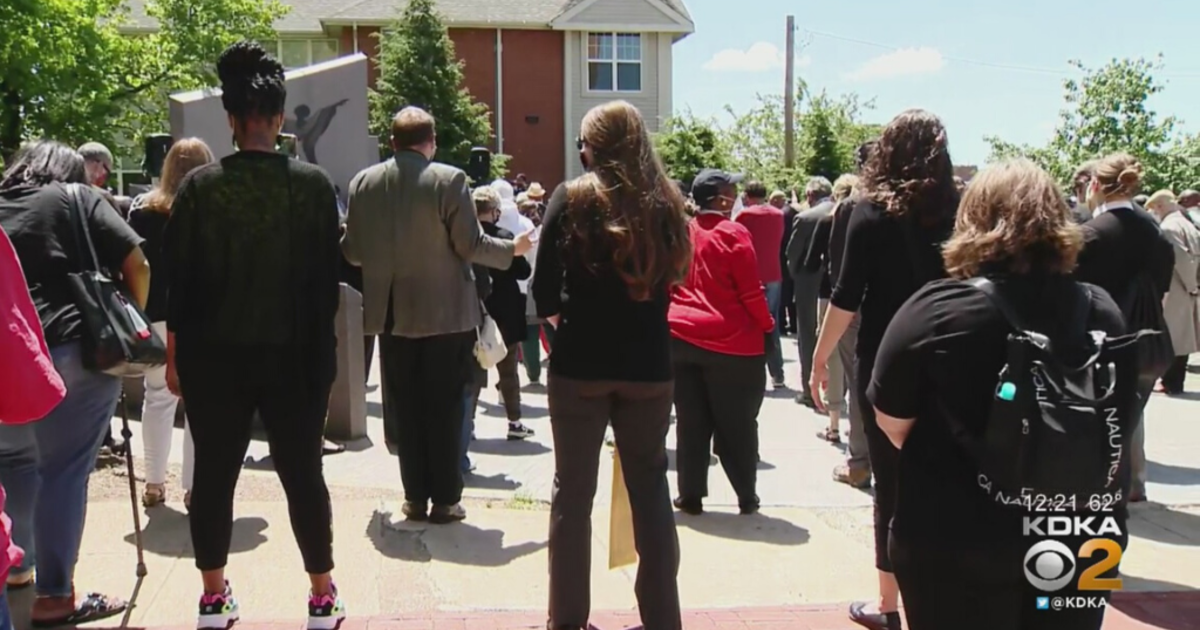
(300, 53)
(614, 62)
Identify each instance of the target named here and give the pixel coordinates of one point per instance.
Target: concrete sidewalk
(496, 560)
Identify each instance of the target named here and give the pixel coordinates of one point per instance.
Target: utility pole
(789, 96)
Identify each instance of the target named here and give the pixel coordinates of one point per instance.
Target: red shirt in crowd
(766, 228)
(721, 306)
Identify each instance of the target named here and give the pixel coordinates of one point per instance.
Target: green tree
(417, 66)
(688, 144)
(828, 132)
(755, 144)
(67, 71)
(1106, 111)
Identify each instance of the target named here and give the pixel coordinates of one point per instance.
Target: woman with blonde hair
(958, 552)
(1126, 254)
(148, 217)
(614, 242)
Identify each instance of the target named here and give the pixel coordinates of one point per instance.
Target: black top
(38, 222)
(886, 259)
(942, 355)
(603, 334)
(252, 249)
(816, 260)
(505, 302)
(150, 226)
(837, 239)
(789, 220)
(1120, 245)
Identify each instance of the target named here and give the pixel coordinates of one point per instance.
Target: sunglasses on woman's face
(579, 142)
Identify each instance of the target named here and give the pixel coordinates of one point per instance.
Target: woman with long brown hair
(148, 217)
(615, 240)
(893, 247)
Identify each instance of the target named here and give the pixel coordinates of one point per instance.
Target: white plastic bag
(489, 346)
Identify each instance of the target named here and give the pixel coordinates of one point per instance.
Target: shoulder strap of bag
(79, 218)
(1080, 314)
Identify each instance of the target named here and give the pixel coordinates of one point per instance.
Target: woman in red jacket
(718, 318)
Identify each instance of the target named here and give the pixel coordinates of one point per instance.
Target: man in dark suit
(787, 309)
(807, 283)
(411, 226)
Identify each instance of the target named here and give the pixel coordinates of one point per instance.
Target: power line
(977, 62)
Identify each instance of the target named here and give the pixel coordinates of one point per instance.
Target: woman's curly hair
(909, 171)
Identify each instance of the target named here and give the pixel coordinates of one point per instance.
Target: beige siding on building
(623, 12)
(578, 99)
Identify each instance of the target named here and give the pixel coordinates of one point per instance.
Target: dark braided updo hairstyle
(252, 82)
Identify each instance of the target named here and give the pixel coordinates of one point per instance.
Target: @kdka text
(1078, 602)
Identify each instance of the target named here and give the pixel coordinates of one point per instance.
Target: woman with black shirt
(1126, 254)
(148, 218)
(252, 251)
(893, 247)
(614, 242)
(45, 465)
(959, 555)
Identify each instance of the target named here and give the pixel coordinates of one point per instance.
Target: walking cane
(137, 516)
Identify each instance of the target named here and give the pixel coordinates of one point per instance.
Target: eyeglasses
(579, 143)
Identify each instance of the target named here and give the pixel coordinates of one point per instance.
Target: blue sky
(923, 54)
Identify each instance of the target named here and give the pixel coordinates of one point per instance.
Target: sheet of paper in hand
(621, 549)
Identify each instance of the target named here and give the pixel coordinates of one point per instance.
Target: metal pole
(789, 96)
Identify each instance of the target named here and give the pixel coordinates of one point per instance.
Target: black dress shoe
(414, 511)
(695, 507)
(444, 514)
(873, 620)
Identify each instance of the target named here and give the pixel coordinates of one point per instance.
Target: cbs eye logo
(1050, 565)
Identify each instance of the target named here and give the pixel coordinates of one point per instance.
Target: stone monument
(326, 110)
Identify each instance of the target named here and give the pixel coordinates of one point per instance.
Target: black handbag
(1142, 308)
(117, 336)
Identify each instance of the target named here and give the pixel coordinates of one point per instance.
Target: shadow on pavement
(504, 446)
(167, 533)
(374, 409)
(1154, 521)
(457, 543)
(493, 482)
(755, 528)
(1172, 475)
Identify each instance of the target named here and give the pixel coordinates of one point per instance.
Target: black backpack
(1056, 432)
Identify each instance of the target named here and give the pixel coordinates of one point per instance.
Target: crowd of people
(900, 281)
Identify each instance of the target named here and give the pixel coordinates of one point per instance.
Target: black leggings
(222, 388)
(884, 462)
(945, 587)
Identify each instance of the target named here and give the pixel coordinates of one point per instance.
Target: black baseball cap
(708, 183)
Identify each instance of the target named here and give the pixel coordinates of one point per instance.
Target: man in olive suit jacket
(411, 226)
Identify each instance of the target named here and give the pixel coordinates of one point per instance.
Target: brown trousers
(640, 413)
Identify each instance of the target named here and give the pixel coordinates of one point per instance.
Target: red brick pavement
(1129, 611)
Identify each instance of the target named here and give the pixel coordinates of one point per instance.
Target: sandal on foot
(18, 580)
(154, 494)
(830, 435)
(93, 607)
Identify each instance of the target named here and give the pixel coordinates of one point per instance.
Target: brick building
(538, 65)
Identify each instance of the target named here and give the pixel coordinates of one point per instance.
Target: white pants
(158, 421)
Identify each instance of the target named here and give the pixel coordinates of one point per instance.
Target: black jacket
(506, 303)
